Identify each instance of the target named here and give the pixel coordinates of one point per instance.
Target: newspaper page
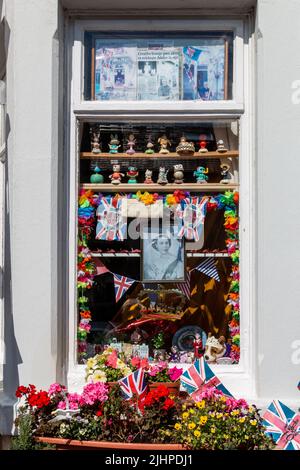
(158, 74)
(115, 73)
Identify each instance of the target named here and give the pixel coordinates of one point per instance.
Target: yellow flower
(235, 413)
(242, 420)
(251, 409)
(226, 436)
(184, 407)
(212, 430)
(99, 376)
(253, 422)
(219, 415)
(200, 404)
(177, 426)
(192, 411)
(203, 420)
(192, 425)
(91, 362)
(197, 433)
(223, 398)
(185, 415)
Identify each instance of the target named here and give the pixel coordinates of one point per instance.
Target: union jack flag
(199, 377)
(134, 384)
(122, 284)
(283, 425)
(192, 52)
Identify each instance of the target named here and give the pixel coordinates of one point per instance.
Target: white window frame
(241, 378)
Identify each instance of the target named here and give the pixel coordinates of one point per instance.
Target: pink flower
(144, 364)
(94, 392)
(61, 405)
(55, 388)
(162, 365)
(154, 370)
(175, 373)
(135, 361)
(112, 359)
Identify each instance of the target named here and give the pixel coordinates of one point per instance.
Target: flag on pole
(185, 287)
(134, 384)
(208, 267)
(283, 425)
(199, 377)
(122, 284)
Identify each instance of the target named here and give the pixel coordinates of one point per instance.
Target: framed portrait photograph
(163, 257)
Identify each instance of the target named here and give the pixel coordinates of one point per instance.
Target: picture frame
(163, 255)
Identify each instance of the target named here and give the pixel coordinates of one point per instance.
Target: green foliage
(25, 440)
(158, 340)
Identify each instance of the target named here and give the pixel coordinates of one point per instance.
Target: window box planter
(69, 444)
(173, 387)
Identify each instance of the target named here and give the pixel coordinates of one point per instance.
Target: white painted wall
(31, 296)
(278, 207)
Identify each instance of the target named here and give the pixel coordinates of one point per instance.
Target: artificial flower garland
(88, 201)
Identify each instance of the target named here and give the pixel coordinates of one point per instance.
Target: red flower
(162, 391)
(39, 399)
(21, 390)
(169, 403)
(99, 413)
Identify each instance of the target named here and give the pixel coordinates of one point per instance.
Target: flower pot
(69, 444)
(173, 387)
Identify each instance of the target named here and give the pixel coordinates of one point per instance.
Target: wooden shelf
(170, 156)
(128, 188)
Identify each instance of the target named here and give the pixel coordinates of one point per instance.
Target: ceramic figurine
(175, 355)
(221, 147)
(198, 346)
(131, 143)
(202, 143)
(96, 177)
(148, 177)
(227, 176)
(178, 173)
(95, 140)
(116, 176)
(114, 144)
(200, 174)
(164, 142)
(184, 147)
(132, 174)
(162, 176)
(150, 146)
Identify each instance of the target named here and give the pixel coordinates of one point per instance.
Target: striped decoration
(208, 267)
(185, 287)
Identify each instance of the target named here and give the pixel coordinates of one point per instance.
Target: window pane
(159, 68)
(158, 237)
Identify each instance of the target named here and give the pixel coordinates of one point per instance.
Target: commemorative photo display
(165, 70)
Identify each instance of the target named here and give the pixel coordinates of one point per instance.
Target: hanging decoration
(111, 224)
(208, 267)
(122, 284)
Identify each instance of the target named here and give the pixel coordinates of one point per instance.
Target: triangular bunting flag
(185, 287)
(208, 267)
(122, 284)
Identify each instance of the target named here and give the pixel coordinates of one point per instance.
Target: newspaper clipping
(158, 74)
